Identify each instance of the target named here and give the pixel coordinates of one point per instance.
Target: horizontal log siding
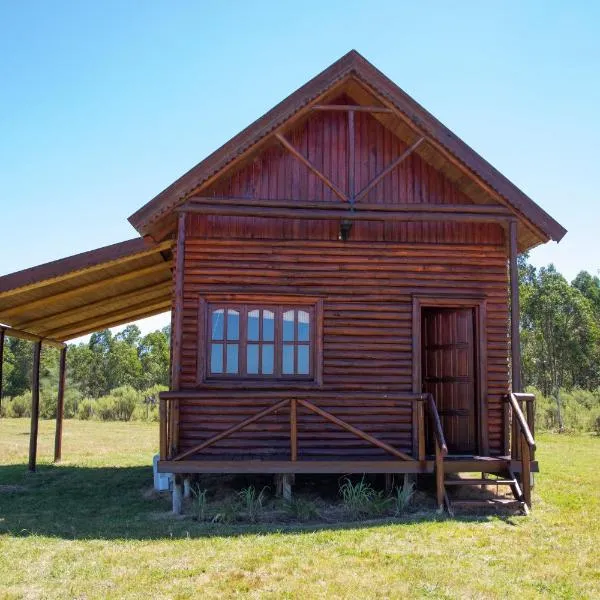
(367, 291)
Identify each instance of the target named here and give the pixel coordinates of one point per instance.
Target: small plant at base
(357, 497)
(201, 502)
(228, 513)
(301, 509)
(403, 497)
(252, 503)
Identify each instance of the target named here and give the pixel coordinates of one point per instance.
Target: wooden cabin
(342, 276)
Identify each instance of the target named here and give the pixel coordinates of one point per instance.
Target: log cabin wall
(366, 284)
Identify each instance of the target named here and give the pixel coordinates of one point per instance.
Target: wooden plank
(357, 432)
(2, 338)
(293, 431)
(32, 337)
(351, 108)
(487, 209)
(81, 291)
(515, 313)
(525, 470)
(351, 158)
(60, 405)
(311, 167)
(231, 430)
(163, 425)
(35, 405)
(300, 466)
(74, 266)
(395, 163)
(328, 212)
(178, 302)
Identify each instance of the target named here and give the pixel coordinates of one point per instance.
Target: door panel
(448, 372)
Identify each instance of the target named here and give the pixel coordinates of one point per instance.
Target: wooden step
(479, 482)
(492, 502)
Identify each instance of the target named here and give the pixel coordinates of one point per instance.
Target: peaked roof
(350, 65)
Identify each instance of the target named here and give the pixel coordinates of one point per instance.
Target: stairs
(488, 496)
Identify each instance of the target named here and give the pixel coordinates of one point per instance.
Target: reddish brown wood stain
(367, 285)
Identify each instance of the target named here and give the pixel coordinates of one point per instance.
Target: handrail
(437, 425)
(513, 399)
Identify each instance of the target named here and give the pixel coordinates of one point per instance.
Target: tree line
(560, 339)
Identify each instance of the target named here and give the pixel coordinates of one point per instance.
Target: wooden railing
(441, 449)
(169, 425)
(522, 440)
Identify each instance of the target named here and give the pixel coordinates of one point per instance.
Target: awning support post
(35, 405)
(60, 405)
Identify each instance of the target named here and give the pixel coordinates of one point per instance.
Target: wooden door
(448, 372)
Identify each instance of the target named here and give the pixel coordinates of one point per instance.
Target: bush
(20, 406)
(360, 499)
(85, 410)
(48, 403)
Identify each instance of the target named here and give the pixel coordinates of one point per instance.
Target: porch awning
(67, 298)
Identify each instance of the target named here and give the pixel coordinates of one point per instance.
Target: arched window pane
(232, 358)
(216, 358)
(217, 324)
(288, 326)
(303, 326)
(252, 359)
(303, 360)
(253, 317)
(268, 325)
(233, 324)
(267, 359)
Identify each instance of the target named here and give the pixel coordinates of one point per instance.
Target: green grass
(92, 528)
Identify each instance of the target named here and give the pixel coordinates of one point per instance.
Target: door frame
(479, 306)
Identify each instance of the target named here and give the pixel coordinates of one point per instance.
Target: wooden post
(35, 405)
(60, 405)
(421, 428)
(162, 408)
(515, 314)
(526, 471)
(2, 338)
(293, 431)
(439, 476)
(178, 304)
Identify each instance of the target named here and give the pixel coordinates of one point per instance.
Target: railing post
(525, 470)
(531, 421)
(421, 428)
(162, 410)
(293, 431)
(439, 476)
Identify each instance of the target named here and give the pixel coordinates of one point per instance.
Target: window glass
(217, 324)
(268, 352)
(288, 326)
(216, 358)
(268, 325)
(303, 326)
(263, 341)
(253, 316)
(233, 324)
(303, 360)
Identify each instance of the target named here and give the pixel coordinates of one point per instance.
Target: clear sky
(103, 104)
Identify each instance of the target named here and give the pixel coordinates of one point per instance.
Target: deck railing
(522, 440)
(169, 425)
(441, 449)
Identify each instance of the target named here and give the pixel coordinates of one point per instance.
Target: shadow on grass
(74, 502)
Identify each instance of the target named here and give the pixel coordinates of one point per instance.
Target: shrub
(20, 406)
(201, 502)
(85, 410)
(48, 404)
(72, 399)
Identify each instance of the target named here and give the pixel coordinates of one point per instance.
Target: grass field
(92, 528)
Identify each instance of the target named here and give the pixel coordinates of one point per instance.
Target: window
(260, 341)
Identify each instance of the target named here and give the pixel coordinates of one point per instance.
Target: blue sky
(103, 104)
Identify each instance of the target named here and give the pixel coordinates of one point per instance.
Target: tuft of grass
(252, 502)
(403, 497)
(201, 502)
(361, 499)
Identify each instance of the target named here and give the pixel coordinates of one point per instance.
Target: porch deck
(425, 432)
